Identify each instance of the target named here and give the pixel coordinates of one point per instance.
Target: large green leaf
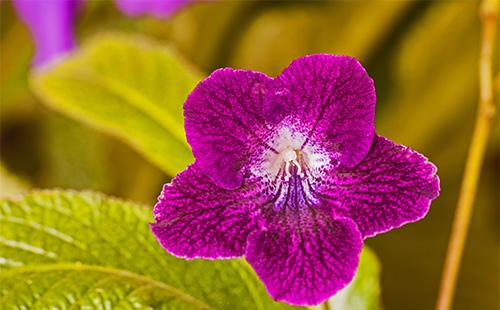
(85, 286)
(130, 87)
(72, 249)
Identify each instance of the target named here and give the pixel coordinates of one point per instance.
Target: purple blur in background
(290, 174)
(158, 8)
(51, 22)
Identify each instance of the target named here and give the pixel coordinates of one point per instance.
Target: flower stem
(486, 110)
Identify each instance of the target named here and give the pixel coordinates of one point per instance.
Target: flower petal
(306, 264)
(51, 25)
(196, 219)
(224, 122)
(392, 186)
(157, 8)
(332, 98)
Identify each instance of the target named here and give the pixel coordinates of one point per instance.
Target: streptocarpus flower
(290, 174)
(51, 22)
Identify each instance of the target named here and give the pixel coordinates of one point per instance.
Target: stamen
(287, 170)
(290, 157)
(299, 168)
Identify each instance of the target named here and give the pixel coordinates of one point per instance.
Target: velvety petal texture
(224, 123)
(332, 98)
(157, 8)
(392, 186)
(290, 174)
(195, 218)
(51, 25)
(307, 263)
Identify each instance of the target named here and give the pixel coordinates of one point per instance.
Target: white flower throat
(290, 168)
(290, 156)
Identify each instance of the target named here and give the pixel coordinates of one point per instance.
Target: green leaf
(76, 248)
(86, 286)
(130, 87)
(364, 291)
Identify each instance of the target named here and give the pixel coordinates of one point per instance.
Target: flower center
(290, 169)
(290, 157)
(292, 186)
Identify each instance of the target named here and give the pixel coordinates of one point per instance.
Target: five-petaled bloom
(290, 173)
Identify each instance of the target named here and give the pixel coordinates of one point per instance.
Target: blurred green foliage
(128, 87)
(422, 56)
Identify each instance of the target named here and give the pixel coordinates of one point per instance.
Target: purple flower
(157, 8)
(51, 21)
(51, 25)
(290, 173)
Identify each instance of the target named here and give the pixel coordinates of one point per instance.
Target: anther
(290, 157)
